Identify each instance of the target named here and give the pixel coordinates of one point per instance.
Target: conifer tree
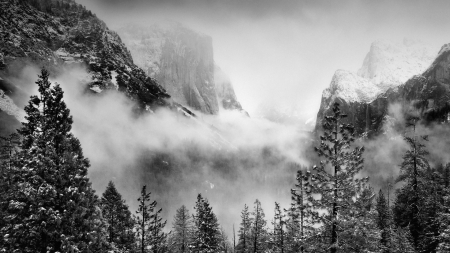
(300, 213)
(244, 231)
(383, 221)
(207, 233)
(143, 219)
(412, 171)
(278, 229)
(259, 233)
(182, 230)
(401, 241)
(118, 217)
(8, 149)
(293, 230)
(157, 236)
(51, 205)
(340, 189)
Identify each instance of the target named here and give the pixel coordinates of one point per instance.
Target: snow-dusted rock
(225, 92)
(364, 95)
(180, 59)
(390, 64)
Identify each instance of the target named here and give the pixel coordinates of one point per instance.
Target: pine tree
(412, 171)
(182, 230)
(244, 231)
(118, 217)
(361, 233)
(401, 241)
(51, 205)
(8, 149)
(383, 221)
(207, 233)
(300, 212)
(258, 230)
(157, 236)
(294, 242)
(143, 219)
(340, 189)
(278, 229)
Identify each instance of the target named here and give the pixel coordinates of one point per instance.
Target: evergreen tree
(278, 229)
(383, 221)
(118, 217)
(207, 233)
(182, 230)
(361, 233)
(293, 230)
(244, 231)
(158, 238)
(8, 149)
(300, 212)
(51, 206)
(412, 172)
(258, 229)
(340, 189)
(401, 241)
(143, 219)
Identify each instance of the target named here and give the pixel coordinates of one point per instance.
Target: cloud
(231, 159)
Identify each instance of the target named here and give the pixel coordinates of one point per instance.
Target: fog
(288, 50)
(273, 51)
(230, 159)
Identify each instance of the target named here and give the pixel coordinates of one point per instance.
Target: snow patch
(387, 65)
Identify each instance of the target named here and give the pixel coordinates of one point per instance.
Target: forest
(47, 203)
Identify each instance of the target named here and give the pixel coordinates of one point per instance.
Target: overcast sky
(288, 50)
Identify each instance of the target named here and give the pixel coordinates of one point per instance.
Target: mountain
(388, 71)
(59, 33)
(182, 61)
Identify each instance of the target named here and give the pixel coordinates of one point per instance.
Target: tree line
(47, 203)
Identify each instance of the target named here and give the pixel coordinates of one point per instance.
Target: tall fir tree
(8, 150)
(300, 212)
(279, 232)
(244, 244)
(412, 172)
(182, 231)
(383, 222)
(158, 237)
(119, 220)
(258, 229)
(51, 205)
(143, 219)
(340, 189)
(207, 233)
(293, 234)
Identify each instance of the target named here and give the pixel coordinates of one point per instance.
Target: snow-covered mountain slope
(385, 69)
(182, 61)
(387, 65)
(390, 64)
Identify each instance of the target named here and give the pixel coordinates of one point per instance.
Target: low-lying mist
(229, 158)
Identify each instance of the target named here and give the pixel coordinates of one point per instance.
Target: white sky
(288, 50)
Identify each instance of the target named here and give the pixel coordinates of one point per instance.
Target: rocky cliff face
(386, 77)
(182, 61)
(52, 34)
(225, 92)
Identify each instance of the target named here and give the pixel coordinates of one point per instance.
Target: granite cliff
(182, 61)
(391, 73)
